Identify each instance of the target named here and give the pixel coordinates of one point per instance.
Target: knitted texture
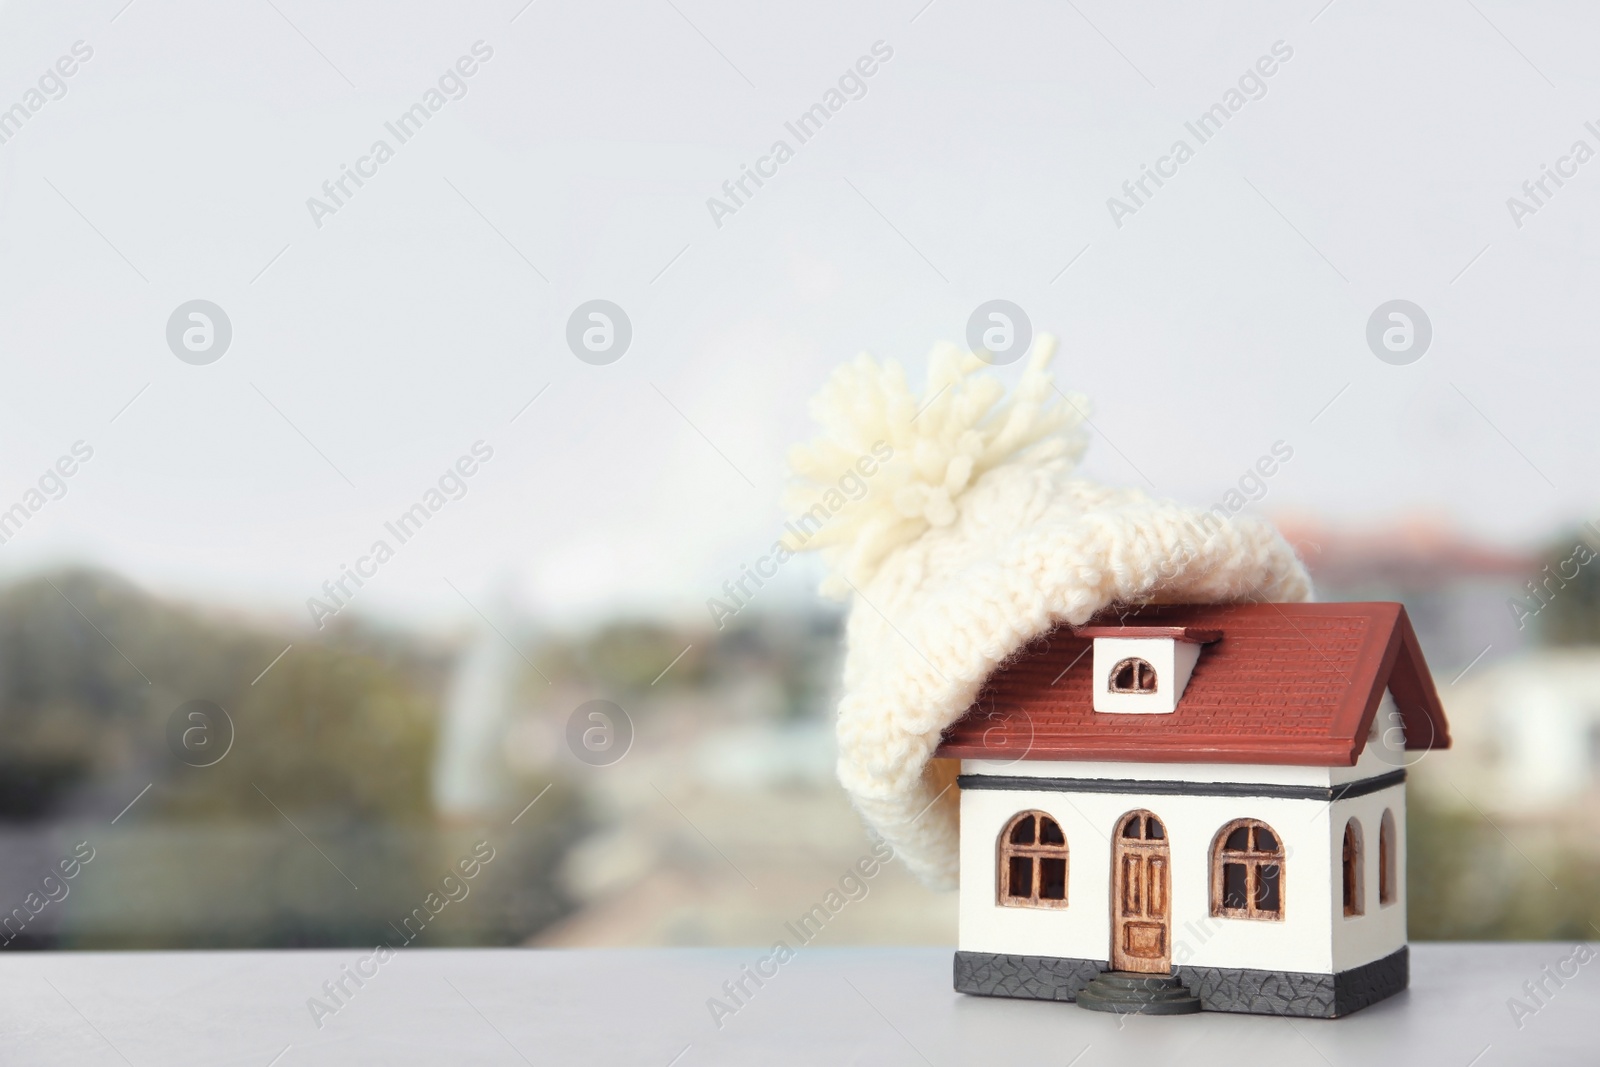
(974, 540)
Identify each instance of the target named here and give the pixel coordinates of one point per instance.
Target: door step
(1132, 993)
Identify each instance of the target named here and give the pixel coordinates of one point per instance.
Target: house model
(1194, 807)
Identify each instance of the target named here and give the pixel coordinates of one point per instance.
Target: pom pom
(924, 453)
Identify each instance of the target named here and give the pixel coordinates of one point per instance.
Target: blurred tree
(324, 787)
(92, 668)
(1562, 601)
(630, 655)
(1465, 881)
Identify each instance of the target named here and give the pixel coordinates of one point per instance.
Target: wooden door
(1141, 905)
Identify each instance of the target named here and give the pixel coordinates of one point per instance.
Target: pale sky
(369, 352)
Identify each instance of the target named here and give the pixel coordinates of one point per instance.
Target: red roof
(1285, 683)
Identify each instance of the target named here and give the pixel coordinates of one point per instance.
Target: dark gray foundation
(1317, 996)
(994, 974)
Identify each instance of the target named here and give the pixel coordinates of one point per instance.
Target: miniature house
(1195, 807)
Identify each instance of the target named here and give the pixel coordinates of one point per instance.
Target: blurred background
(267, 732)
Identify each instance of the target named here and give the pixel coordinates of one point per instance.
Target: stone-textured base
(1318, 996)
(995, 974)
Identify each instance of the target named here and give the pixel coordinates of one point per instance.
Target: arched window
(1354, 870)
(1247, 871)
(1388, 893)
(1142, 826)
(1033, 862)
(1133, 675)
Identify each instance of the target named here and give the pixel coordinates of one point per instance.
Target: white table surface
(648, 1007)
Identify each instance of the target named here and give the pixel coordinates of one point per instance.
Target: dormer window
(1143, 670)
(1133, 675)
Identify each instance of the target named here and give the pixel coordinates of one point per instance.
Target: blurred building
(1455, 589)
(1524, 717)
(1527, 737)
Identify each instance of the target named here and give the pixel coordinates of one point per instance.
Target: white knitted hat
(972, 540)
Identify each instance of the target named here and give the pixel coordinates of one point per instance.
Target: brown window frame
(1252, 859)
(1388, 877)
(1146, 826)
(1353, 869)
(1035, 853)
(1142, 670)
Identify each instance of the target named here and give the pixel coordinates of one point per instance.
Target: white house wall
(1313, 936)
(1382, 929)
(1385, 750)
(1262, 774)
